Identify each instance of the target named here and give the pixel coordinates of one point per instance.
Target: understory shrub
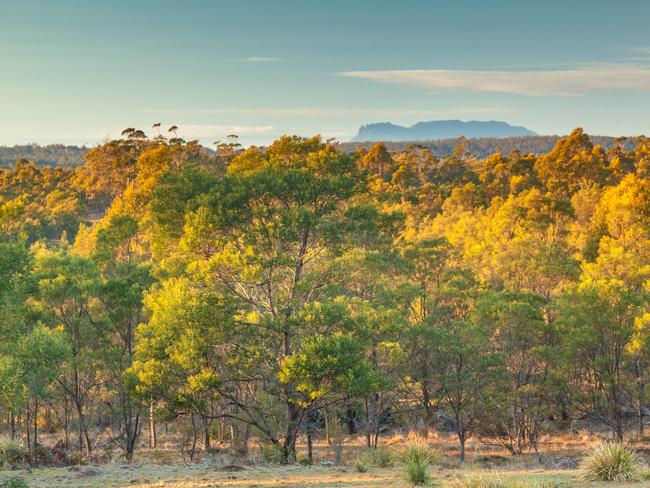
(12, 452)
(271, 454)
(380, 457)
(14, 482)
(360, 466)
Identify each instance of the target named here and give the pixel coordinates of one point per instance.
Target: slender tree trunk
(461, 439)
(12, 425)
(35, 425)
(132, 434)
(66, 421)
(310, 438)
(641, 395)
(28, 430)
(328, 436)
(462, 436)
(84, 436)
(206, 432)
(152, 426)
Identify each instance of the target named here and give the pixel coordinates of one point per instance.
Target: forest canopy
(268, 292)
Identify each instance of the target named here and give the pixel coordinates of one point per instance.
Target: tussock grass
(610, 462)
(416, 456)
(483, 479)
(417, 449)
(360, 466)
(416, 471)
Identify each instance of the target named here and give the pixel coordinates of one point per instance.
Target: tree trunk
(83, 430)
(206, 432)
(132, 435)
(640, 394)
(310, 441)
(12, 425)
(35, 425)
(462, 448)
(328, 436)
(152, 426)
(29, 435)
(289, 446)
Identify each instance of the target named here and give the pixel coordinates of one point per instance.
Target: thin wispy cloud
(327, 112)
(564, 82)
(261, 59)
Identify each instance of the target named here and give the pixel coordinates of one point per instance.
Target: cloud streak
(333, 112)
(261, 59)
(567, 82)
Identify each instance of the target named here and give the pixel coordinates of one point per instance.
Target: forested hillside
(482, 147)
(50, 155)
(72, 156)
(301, 291)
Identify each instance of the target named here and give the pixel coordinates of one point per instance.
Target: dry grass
(178, 476)
(164, 468)
(186, 476)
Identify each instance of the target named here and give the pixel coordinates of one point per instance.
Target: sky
(80, 71)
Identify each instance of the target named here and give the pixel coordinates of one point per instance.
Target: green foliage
(269, 287)
(12, 452)
(379, 457)
(360, 466)
(14, 482)
(611, 462)
(271, 454)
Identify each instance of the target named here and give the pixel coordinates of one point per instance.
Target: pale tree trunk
(153, 441)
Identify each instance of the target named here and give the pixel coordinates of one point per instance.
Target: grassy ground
(188, 476)
(555, 467)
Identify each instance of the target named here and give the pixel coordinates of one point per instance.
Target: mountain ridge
(439, 129)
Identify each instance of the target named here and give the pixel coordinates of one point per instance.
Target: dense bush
(360, 466)
(14, 482)
(12, 452)
(380, 456)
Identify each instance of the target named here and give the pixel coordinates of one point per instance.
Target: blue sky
(81, 71)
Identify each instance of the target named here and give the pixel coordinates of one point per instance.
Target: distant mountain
(439, 129)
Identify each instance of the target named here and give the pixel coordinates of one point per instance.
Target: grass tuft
(360, 466)
(612, 462)
(417, 449)
(481, 479)
(416, 471)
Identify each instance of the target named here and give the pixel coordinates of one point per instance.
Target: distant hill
(484, 146)
(50, 155)
(439, 129)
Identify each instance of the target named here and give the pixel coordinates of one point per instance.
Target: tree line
(299, 290)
